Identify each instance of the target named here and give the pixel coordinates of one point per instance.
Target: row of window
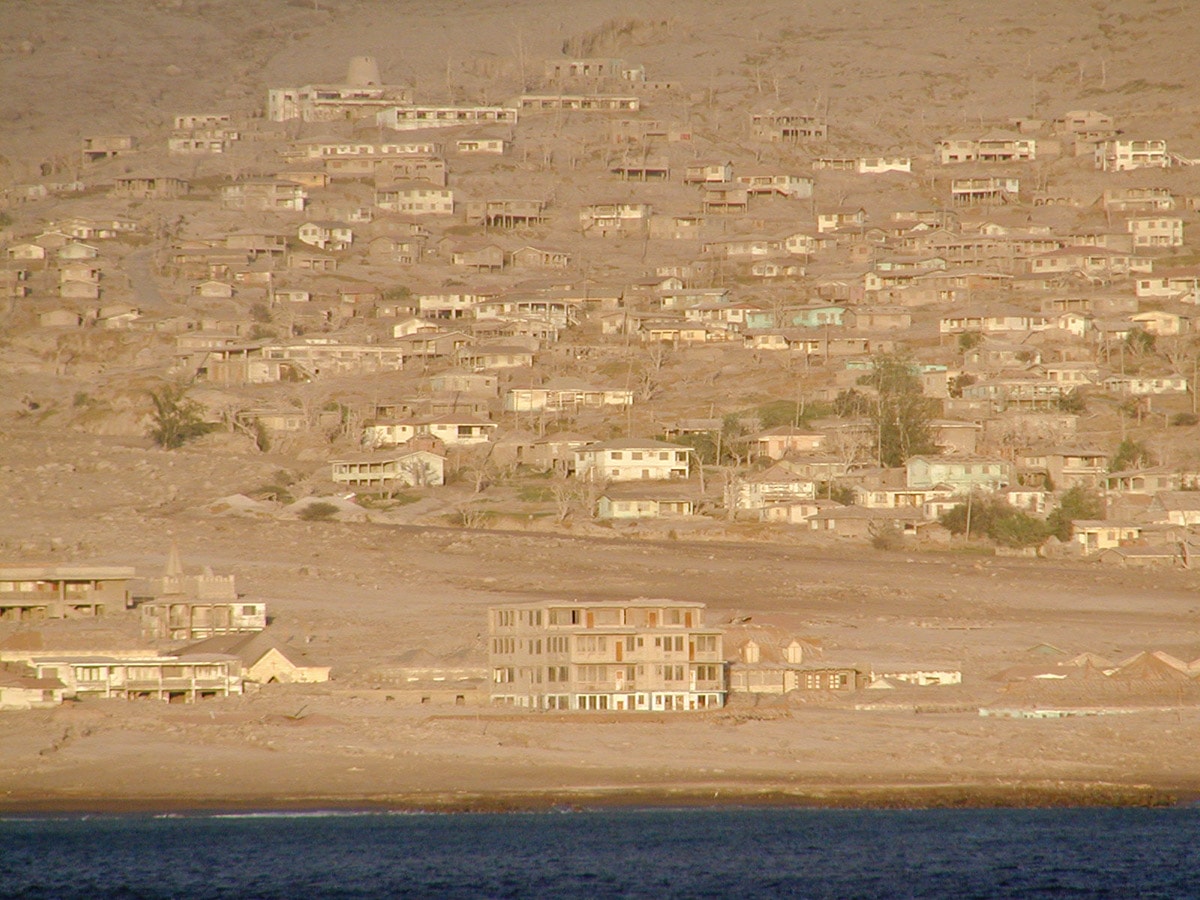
(595, 674)
(600, 702)
(635, 455)
(508, 618)
(598, 643)
(147, 673)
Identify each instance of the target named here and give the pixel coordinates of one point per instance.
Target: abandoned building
(28, 593)
(636, 655)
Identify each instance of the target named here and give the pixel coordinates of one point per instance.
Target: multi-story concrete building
(585, 102)
(606, 218)
(1121, 154)
(592, 68)
(453, 430)
(107, 146)
(990, 189)
(1156, 231)
(184, 607)
(995, 147)
(62, 592)
(264, 194)
(362, 94)
(565, 395)
(416, 198)
(632, 459)
(384, 470)
(177, 619)
(1137, 200)
(413, 118)
(139, 676)
(787, 126)
(317, 356)
(634, 655)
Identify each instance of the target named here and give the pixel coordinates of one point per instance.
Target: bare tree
(471, 515)
(1183, 355)
(420, 472)
(566, 494)
(479, 469)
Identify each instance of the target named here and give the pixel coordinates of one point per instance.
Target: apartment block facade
(636, 655)
(62, 592)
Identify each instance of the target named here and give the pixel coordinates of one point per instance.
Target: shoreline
(958, 796)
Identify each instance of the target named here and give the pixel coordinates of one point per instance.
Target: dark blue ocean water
(1112, 853)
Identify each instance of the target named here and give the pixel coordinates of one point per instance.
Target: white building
(452, 430)
(418, 468)
(632, 459)
(1119, 155)
(413, 118)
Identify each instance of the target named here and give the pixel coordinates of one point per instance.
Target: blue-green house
(797, 317)
(961, 474)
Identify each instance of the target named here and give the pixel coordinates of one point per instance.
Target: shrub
(176, 419)
(1184, 419)
(1018, 529)
(958, 382)
(788, 412)
(1076, 503)
(998, 521)
(886, 535)
(262, 437)
(318, 511)
(838, 493)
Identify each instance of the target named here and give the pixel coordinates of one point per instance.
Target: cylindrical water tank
(362, 71)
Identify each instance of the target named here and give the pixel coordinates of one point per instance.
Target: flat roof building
(632, 655)
(62, 592)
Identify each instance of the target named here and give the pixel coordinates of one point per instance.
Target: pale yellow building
(633, 655)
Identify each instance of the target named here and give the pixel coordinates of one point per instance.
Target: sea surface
(659, 853)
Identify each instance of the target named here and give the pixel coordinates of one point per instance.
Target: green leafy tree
(839, 493)
(1077, 503)
(996, 520)
(902, 413)
(972, 518)
(1073, 402)
(719, 447)
(958, 382)
(1130, 454)
(1140, 343)
(704, 443)
(176, 418)
(789, 412)
(851, 404)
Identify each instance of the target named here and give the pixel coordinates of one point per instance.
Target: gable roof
(633, 444)
(249, 648)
